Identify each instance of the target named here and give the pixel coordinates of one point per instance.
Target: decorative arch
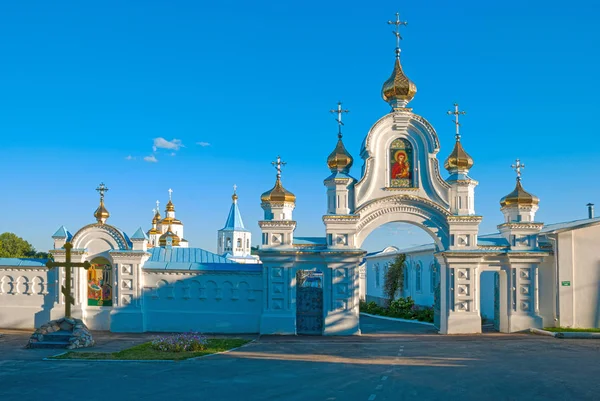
(404, 208)
(100, 237)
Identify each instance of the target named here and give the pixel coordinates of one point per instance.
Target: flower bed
(403, 308)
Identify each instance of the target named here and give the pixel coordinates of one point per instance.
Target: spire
(101, 214)
(459, 159)
(234, 219)
(519, 197)
(398, 90)
(278, 193)
(339, 160)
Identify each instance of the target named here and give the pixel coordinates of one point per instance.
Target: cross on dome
(278, 164)
(170, 193)
(157, 205)
(101, 190)
(396, 32)
(339, 111)
(234, 188)
(518, 166)
(457, 113)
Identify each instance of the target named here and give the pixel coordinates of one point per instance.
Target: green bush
(403, 308)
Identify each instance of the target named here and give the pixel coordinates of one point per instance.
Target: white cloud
(173, 154)
(203, 144)
(151, 159)
(130, 158)
(162, 143)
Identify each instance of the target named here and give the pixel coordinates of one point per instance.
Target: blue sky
(85, 87)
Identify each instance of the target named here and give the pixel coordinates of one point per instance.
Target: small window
(418, 278)
(377, 279)
(433, 277)
(239, 243)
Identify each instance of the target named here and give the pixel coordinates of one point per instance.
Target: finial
(157, 205)
(278, 164)
(234, 197)
(170, 193)
(101, 190)
(518, 166)
(339, 112)
(457, 113)
(396, 32)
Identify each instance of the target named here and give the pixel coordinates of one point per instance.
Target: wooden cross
(517, 167)
(339, 111)
(278, 164)
(396, 33)
(457, 113)
(67, 264)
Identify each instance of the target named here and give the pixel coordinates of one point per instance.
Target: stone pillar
(279, 311)
(523, 302)
(127, 314)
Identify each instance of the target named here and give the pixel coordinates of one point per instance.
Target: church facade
(153, 281)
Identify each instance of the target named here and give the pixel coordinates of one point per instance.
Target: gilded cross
(234, 188)
(101, 190)
(67, 264)
(457, 113)
(396, 32)
(170, 193)
(518, 166)
(157, 205)
(339, 111)
(278, 164)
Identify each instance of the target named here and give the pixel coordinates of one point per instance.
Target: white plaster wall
(586, 277)
(547, 291)
(26, 296)
(206, 302)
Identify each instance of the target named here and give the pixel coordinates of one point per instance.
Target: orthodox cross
(170, 193)
(157, 205)
(457, 113)
(396, 32)
(517, 167)
(339, 111)
(278, 164)
(67, 264)
(234, 188)
(101, 190)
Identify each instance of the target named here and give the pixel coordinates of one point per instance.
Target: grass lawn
(570, 330)
(145, 352)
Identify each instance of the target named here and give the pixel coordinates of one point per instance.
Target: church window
(401, 164)
(377, 279)
(228, 244)
(100, 278)
(247, 243)
(239, 243)
(418, 278)
(432, 277)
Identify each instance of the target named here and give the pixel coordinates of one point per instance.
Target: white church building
(538, 275)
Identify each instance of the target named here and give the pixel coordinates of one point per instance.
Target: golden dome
(170, 206)
(234, 197)
(398, 90)
(162, 241)
(101, 214)
(458, 159)
(278, 194)
(340, 159)
(156, 217)
(519, 197)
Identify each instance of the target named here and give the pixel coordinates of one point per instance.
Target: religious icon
(401, 172)
(99, 287)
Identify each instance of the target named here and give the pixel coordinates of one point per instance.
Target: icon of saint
(401, 167)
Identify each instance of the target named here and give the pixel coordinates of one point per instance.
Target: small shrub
(180, 342)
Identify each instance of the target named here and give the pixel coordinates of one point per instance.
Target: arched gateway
(401, 182)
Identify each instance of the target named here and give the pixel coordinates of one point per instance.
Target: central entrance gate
(309, 302)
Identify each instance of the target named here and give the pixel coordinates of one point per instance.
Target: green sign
(566, 283)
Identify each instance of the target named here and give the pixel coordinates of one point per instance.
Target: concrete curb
(397, 319)
(565, 334)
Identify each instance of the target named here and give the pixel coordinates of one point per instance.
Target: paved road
(391, 361)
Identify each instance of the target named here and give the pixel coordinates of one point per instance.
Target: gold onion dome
(101, 214)
(156, 217)
(162, 241)
(398, 90)
(278, 194)
(170, 207)
(519, 197)
(340, 160)
(458, 159)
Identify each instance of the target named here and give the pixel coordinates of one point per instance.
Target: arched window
(433, 276)
(418, 278)
(100, 278)
(228, 244)
(377, 281)
(239, 243)
(248, 243)
(401, 164)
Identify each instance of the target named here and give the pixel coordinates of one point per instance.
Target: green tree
(13, 246)
(394, 277)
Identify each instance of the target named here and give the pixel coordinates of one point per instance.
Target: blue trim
(23, 262)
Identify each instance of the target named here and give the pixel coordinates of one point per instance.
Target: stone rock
(79, 335)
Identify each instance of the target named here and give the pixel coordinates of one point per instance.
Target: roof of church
(310, 241)
(569, 225)
(234, 220)
(62, 232)
(139, 234)
(193, 259)
(23, 262)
